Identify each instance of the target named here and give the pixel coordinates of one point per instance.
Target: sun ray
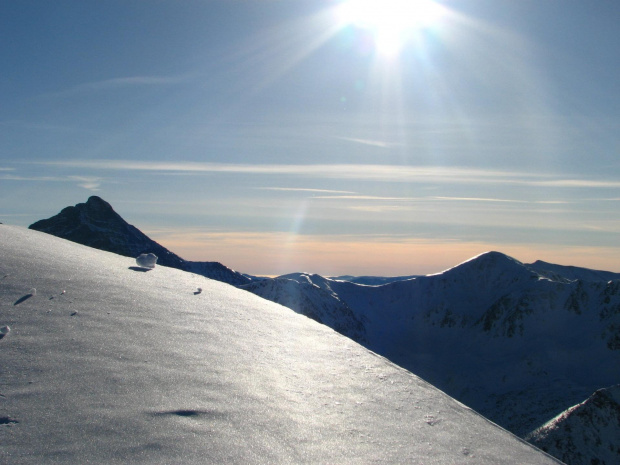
(390, 21)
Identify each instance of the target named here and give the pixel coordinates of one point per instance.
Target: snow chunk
(5, 330)
(147, 260)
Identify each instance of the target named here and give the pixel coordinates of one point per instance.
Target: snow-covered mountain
(107, 365)
(517, 345)
(586, 433)
(310, 300)
(491, 331)
(96, 224)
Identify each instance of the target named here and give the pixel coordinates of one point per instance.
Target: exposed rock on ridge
(96, 224)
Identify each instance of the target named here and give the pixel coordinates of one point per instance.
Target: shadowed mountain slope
(97, 225)
(108, 365)
(310, 300)
(586, 433)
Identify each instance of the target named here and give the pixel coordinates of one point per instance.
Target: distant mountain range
(518, 347)
(520, 343)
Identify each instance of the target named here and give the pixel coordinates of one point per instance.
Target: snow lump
(147, 260)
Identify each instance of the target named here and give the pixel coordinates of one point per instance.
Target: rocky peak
(96, 224)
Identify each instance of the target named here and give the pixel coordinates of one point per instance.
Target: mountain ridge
(96, 224)
(571, 273)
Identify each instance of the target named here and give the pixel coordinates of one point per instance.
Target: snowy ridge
(310, 300)
(586, 433)
(372, 280)
(215, 270)
(106, 364)
(571, 273)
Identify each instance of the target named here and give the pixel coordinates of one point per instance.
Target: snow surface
(107, 364)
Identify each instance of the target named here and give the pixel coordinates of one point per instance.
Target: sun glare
(390, 21)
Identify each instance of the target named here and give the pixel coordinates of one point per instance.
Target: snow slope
(587, 433)
(106, 363)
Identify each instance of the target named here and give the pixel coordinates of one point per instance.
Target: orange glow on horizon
(274, 254)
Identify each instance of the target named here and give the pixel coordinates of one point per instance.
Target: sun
(390, 21)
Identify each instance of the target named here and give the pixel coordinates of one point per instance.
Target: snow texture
(145, 371)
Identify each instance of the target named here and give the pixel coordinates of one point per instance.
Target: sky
(352, 137)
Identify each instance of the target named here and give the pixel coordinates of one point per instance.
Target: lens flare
(390, 21)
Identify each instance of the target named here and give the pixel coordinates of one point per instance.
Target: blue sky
(279, 135)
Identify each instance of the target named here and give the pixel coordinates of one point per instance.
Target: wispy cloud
(379, 208)
(371, 197)
(478, 199)
(373, 143)
(579, 183)
(86, 182)
(431, 198)
(303, 189)
(12, 177)
(385, 203)
(363, 172)
(339, 171)
(118, 83)
(482, 199)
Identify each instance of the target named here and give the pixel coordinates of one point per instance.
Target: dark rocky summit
(96, 224)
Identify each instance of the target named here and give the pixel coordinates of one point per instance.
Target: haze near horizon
(335, 137)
